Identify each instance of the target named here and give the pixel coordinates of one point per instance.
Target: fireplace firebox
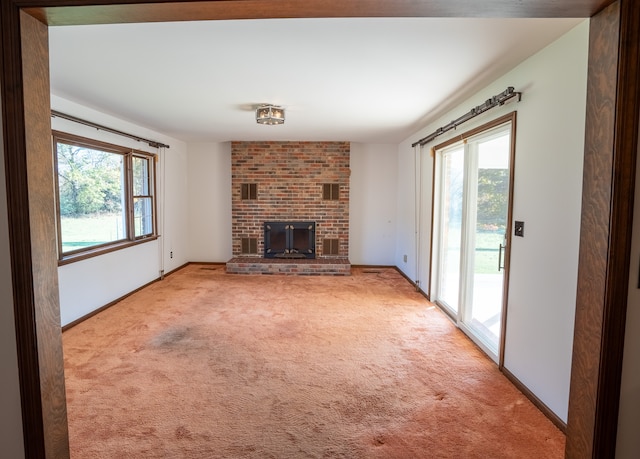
(290, 240)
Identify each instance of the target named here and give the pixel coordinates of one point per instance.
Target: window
(331, 191)
(105, 196)
(142, 198)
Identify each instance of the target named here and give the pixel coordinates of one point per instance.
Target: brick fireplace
(289, 182)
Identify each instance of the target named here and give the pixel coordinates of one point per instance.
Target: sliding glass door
(453, 181)
(471, 236)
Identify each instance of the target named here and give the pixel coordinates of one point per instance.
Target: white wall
(174, 215)
(209, 219)
(11, 441)
(90, 284)
(628, 442)
(547, 197)
(372, 204)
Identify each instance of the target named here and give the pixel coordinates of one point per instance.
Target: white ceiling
(362, 80)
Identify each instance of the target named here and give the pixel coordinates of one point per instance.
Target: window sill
(67, 259)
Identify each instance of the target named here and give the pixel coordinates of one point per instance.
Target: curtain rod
(496, 100)
(152, 143)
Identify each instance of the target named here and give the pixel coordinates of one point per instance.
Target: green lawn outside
(487, 246)
(80, 232)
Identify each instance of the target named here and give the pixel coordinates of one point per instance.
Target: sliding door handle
(500, 265)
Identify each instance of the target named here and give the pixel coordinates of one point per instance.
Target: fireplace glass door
(289, 240)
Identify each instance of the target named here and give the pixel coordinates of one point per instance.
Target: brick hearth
(319, 266)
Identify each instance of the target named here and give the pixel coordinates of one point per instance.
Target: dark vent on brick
(249, 245)
(331, 246)
(331, 191)
(249, 191)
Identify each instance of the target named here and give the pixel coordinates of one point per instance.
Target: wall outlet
(405, 258)
(171, 254)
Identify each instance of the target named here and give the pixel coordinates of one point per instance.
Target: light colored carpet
(206, 364)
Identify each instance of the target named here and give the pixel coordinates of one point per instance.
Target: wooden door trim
(28, 316)
(19, 233)
(605, 235)
(70, 12)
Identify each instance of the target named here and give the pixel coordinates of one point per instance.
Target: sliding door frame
(504, 119)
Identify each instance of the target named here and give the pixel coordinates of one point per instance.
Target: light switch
(518, 229)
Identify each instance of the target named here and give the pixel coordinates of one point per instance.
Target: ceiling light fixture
(270, 114)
